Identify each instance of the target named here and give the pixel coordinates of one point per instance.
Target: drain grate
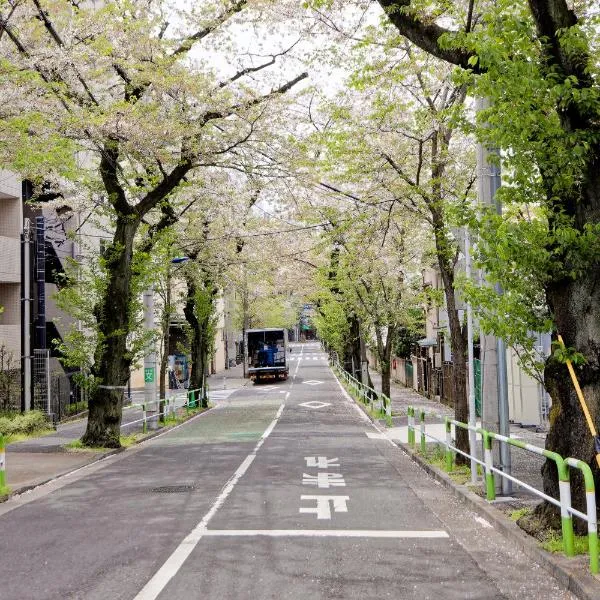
(173, 489)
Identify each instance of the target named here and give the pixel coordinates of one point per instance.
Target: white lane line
(341, 533)
(172, 565)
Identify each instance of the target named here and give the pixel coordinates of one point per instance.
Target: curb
(100, 456)
(575, 579)
(579, 582)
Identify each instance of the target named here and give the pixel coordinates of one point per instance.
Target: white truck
(266, 353)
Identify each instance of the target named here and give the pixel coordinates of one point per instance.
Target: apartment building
(11, 219)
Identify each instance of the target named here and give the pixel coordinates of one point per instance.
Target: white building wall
(11, 220)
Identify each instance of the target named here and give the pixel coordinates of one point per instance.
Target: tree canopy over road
(341, 184)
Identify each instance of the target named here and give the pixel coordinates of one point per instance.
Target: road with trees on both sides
(283, 490)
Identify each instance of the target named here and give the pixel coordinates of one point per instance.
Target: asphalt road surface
(283, 491)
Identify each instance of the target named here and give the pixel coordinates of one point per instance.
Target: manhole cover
(172, 489)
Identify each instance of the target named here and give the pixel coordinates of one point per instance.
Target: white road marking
(315, 404)
(341, 533)
(376, 436)
(313, 382)
(220, 394)
(321, 462)
(324, 480)
(324, 505)
(172, 565)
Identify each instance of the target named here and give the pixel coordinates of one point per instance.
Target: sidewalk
(526, 466)
(35, 461)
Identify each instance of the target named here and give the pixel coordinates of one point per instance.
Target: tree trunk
(384, 354)
(352, 352)
(576, 306)
(446, 253)
(197, 367)
(199, 318)
(112, 360)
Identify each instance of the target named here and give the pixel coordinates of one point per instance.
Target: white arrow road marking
(342, 533)
(324, 505)
(324, 480)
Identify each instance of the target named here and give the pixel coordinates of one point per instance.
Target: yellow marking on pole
(582, 401)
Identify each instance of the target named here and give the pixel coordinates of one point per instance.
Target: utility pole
(26, 316)
(495, 412)
(472, 410)
(150, 361)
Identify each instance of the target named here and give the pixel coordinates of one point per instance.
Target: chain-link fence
(41, 381)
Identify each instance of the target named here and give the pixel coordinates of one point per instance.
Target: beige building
(11, 219)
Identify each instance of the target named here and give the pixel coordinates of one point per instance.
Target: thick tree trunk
(576, 306)
(112, 360)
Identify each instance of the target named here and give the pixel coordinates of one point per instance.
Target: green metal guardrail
(191, 397)
(363, 392)
(562, 466)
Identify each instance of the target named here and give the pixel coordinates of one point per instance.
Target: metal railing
(362, 392)
(189, 399)
(563, 467)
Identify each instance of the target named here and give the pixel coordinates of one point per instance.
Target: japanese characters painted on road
(324, 480)
(321, 462)
(324, 505)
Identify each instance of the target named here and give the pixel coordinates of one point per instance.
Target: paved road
(277, 493)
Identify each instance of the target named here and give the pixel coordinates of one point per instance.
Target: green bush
(26, 423)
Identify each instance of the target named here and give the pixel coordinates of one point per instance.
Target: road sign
(149, 375)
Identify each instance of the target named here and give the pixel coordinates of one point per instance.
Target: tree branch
(425, 35)
(189, 41)
(108, 172)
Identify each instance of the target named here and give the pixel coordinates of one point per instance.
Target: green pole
(590, 497)
(2, 463)
(145, 425)
(490, 488)
(423, 446)
(448, 441)
(566, 518)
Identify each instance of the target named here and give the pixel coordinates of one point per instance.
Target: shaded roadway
(105, 531)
